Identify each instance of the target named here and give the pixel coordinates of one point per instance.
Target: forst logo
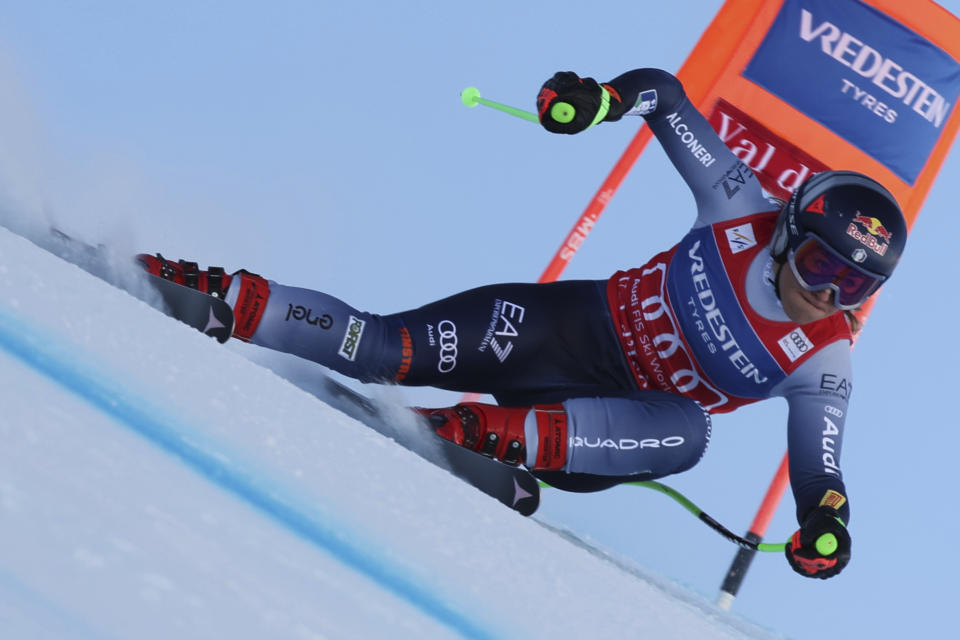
(869, 79)
(351, 338)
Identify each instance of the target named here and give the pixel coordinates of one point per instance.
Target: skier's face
(803, 306)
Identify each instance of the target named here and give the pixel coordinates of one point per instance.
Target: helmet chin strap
(779, 260)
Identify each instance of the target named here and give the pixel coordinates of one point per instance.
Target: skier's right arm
(723, 186)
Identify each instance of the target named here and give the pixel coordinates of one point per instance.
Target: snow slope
(155, 484)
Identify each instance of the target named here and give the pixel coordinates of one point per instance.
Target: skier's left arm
(817, 395)
(723, 186)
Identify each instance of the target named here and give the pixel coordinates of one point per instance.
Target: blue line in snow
(69, 367)
(41, 616)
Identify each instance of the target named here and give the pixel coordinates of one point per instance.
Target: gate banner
(805, 85)
(799, 86)
(869, 79)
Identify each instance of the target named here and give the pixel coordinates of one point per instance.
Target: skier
(604, 381)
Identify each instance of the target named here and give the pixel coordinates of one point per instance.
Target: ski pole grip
(826, 544)
(563, 112)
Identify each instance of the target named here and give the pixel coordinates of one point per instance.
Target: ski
(205, 313)
(515, 487)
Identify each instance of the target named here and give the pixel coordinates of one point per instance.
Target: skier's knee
(653, 434)
(695, 427)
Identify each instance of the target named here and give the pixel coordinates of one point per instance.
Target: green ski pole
(706, 519)
(713, 524)
(471, 97)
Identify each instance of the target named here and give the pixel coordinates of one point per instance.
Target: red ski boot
(249, 304)
(498, 432)
(213, 281)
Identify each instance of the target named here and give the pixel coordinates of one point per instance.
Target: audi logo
(448, 346)
(798, 340)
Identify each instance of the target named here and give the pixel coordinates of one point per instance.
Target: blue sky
(324, 145)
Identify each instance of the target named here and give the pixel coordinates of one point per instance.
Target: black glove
(568, 103)
(821, 546)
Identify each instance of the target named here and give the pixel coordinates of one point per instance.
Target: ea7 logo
(836, 385)
(507, 316)
(734, 179)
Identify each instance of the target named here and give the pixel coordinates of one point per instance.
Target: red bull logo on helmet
(869, 231)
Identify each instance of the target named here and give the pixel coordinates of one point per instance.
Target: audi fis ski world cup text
(664, 352)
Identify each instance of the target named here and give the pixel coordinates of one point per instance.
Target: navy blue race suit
(638, 360)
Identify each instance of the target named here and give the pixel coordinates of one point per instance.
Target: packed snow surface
(156, 484)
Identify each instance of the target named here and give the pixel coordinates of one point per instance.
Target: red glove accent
(583, 95)
(802, 550)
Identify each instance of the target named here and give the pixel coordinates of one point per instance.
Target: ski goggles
(817, 267)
